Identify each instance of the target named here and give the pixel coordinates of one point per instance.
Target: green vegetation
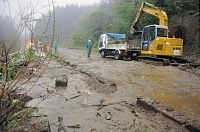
(11, 70)
(12, 73)
(30, 56)
(25, 56)
(52, 55)
(14, 118)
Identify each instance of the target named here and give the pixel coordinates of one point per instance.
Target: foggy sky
(79, 2)
(13, 8)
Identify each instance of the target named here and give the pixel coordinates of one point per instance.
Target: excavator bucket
(133, 30)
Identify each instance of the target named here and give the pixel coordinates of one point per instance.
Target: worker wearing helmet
(89, 48)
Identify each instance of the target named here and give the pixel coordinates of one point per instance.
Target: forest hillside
(117, 16)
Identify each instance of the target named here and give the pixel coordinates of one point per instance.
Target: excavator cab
(155, 41)
(150, 33)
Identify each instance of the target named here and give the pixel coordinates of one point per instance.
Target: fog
(8, 34)
(15, 19)
(66, 19)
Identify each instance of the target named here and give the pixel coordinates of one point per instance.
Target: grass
(12, 73)
(79, 47)
(74, 46)
(17, 59)
(30, 57)
(10, 70)
(52, 55)
(14, 118)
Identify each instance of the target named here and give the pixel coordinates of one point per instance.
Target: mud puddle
(183, 103)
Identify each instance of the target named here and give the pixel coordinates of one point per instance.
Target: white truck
(111, 44)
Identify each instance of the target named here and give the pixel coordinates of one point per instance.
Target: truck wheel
(117, 55)
(133, 58)
(127, 58)
(103, 53)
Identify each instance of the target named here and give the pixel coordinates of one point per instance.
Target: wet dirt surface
(101, 94)
(180, 102)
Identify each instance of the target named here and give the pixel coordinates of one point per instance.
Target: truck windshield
(116, 40)
(162, 32)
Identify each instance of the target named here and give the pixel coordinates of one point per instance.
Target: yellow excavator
(155, 40)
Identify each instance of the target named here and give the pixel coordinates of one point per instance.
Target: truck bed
(129, 45)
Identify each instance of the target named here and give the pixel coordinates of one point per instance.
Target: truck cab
(111, 44)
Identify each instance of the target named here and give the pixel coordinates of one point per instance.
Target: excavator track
(168, 62)
(154, 60)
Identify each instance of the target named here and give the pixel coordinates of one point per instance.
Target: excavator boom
(150, 9)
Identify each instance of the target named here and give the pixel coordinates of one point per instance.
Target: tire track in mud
(95, 82)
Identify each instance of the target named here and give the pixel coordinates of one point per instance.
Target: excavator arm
(150, 9)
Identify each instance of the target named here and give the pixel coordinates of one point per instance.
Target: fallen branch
(75, 126)
(102, 105)
(66, 99)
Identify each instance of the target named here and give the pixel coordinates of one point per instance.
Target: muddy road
(101, 94)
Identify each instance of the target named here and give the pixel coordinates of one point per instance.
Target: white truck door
(102, 42)
(105, 41)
